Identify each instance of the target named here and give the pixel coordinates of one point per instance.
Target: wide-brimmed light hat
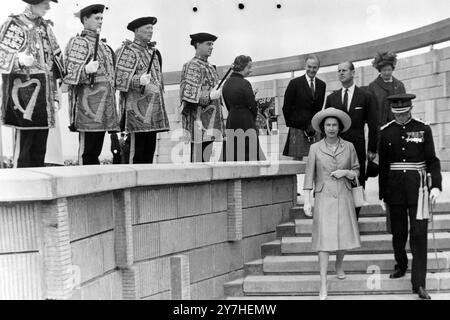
(331, 112)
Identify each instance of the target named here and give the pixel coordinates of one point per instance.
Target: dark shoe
(423, 294)
(397, 274)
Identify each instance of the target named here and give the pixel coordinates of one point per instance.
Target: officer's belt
(423, 210)
(410, 166)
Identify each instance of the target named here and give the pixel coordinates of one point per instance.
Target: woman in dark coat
(385, 85)
(242, 143)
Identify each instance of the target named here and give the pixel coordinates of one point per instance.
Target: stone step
(272, 248)
(369, 225)
(254, 267)
(381, 243)
(234, 288)
(354, 283)
(372, 210)
(370, 297)
(286, 230)
(383, 263)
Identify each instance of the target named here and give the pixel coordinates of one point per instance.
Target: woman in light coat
(331, 168)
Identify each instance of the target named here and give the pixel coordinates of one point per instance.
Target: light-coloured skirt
(335, 226)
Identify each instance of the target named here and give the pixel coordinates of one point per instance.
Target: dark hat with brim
(133, 25)
(401, 103)
(202, 37)
(37, 1)
(92, 9)
(331, 113)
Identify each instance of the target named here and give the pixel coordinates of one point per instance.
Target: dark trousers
(418, 241)
(201, 152)
(144, 147)
(30, 148)
(91, 145)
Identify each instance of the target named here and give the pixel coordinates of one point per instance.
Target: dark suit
(299, 108)
(363, 109)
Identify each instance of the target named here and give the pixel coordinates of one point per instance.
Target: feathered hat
(384, 58)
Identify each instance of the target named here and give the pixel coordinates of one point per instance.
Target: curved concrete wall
(418, 38)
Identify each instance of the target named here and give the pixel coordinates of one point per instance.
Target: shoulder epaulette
(421, 121)
(387, 125)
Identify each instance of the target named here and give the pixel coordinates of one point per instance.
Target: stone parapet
(137, 232)
(40, 184)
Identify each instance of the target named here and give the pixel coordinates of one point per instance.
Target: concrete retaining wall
(110, 232)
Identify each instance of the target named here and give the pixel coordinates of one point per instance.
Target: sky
(259, 30)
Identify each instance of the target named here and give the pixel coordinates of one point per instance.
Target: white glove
(307, 208)
(25, 59)
(92, 67)
(434, 194)
(145, 79)
(383, 205)
(215, 94)
(57, 105)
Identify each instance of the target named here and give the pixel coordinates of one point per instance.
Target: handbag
(358, 195)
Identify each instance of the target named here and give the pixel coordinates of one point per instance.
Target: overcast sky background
(260, 30)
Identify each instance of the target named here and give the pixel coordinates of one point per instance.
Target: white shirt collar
(309, 79)
(350, 89)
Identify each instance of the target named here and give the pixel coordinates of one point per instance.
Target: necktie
(345, 103)
(313, 90)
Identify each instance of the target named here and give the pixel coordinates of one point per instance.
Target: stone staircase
(289, 269)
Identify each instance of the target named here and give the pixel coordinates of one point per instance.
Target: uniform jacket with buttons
(406, 143)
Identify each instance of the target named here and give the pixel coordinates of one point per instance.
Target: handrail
(418, 38)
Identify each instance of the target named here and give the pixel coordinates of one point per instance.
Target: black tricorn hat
(92, 9)
(133, 25)
(37, 1)
(202, 37)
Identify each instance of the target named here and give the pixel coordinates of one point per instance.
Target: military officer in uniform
(90, 77)
(140, 81)
(31, 64)
(407, 156)
(201, 99)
